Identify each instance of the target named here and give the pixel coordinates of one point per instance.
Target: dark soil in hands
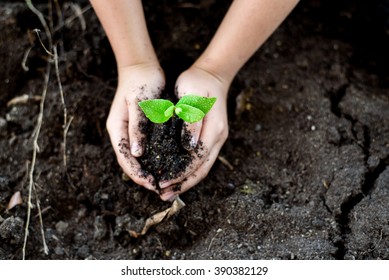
(165, 157)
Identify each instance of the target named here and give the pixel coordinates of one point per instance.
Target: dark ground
(310, 148)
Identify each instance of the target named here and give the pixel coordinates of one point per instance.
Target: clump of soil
(165, 157)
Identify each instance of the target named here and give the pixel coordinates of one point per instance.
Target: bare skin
(237, 38)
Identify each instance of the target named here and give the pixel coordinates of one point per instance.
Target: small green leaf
(202, 103)
(189, 113)
(155, 110)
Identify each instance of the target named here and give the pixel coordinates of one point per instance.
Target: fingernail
(150, 187)
(136, 150)
(193, 142)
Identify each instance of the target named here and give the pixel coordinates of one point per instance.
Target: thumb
(136, 121)
(190, 135)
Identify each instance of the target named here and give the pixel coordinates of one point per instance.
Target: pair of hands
(141, 82)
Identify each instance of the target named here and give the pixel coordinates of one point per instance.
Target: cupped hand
(207, 136)
(125, 119)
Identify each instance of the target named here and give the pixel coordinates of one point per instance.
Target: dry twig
(226, 162)
(25, 57)
(37, 130)
(43, 22)
(78, 14)
(51, 50)
(23, 99)
(213, 238)
(45, 248)
(33, 161)
(65, 111)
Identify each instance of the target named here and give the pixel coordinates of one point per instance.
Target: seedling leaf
(157, 110)
(202, 103)
(189, 113)
(190, 108)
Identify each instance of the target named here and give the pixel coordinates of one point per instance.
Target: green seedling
(190, 108)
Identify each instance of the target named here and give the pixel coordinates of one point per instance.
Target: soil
(165, 156)
(308, 142)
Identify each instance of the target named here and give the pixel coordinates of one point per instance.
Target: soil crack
(361, 136)
(343, 219)
(335, 98)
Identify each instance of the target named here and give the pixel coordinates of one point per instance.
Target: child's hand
(136, 83)
(207, 136)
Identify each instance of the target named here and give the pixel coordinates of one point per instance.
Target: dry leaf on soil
(159, 217)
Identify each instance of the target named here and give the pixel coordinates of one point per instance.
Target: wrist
(222, 74)
(140, 63)
(202, 81)
(145, 76)
(147, 67)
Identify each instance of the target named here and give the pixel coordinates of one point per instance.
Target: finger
(211, 136)
(202, 153)
(198, 157)
(172, 191)
(190, 135)
(136, 125)
(132, 168)
(127, 162)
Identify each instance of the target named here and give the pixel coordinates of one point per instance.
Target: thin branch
(79, 13)
(34, 153)
(25, 57)
(43, 45)
(39, 123)
(213, 239)
(74, 17)
(43, 22)
(45, 248)
(65, 111)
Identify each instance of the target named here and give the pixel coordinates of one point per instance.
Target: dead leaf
(16, 199)
(159, 217)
